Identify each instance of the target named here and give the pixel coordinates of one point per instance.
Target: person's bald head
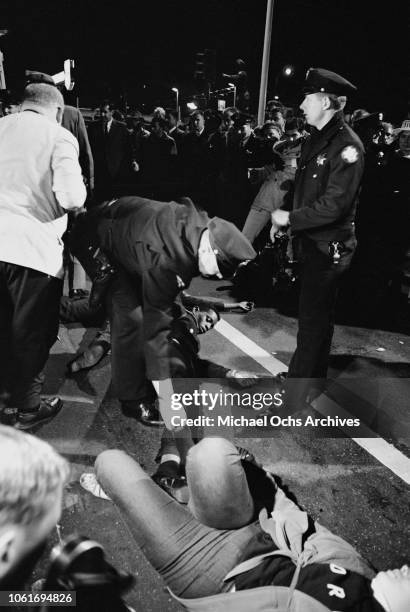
(45, 99)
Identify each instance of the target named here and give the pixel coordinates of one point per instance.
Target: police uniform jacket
(327, 183)
(157, 244)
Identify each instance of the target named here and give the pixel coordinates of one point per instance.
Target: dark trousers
(29, 307)
(127, 340)
(319, 278)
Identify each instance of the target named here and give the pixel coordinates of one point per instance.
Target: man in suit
(196, 161)
(111, 148)
(174, 131)
(73, 121)
(158, 156)
(327, 184)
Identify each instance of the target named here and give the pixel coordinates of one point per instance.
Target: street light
(286, 71)
(234, 92)
(177, 101)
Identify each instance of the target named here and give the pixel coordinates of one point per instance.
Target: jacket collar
(320, 138)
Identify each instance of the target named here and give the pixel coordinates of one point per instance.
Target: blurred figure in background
(158, 159)
(279, 177)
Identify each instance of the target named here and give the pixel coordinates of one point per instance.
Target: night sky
(121, 45)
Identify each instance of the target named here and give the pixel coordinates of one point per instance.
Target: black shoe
(169, 478)
(150, 415)
(8, 416)
(46, 411)
(90, 357)
(144, 411)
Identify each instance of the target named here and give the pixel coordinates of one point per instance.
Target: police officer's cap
(229, 244)
(325, 81)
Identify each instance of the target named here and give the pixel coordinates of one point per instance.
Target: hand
(273, 231)
(392, 588)
(280, 217)
(242, 377)
(135, 166)
(246, 306)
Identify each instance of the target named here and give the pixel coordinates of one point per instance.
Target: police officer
(322, 220)
(157, 248)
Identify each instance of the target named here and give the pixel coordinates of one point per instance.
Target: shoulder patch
(350, 154)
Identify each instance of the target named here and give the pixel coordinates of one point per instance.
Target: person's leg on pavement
(36, 300)
(313, 327)
(219, 492)
(6, 315)
(127, 342)
(255, 222)
(192, 558)
(317, 302)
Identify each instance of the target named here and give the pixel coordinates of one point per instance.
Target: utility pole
(265, 62)
(2, 76)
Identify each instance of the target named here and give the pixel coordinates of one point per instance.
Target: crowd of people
(241, 171)
(147, 230)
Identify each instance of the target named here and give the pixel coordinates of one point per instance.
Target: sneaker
(46, 411)
(89, 482)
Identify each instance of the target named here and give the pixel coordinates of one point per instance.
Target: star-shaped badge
(320, 160)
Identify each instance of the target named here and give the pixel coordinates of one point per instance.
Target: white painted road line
(376, 446)
(248, 346)
(78, 399)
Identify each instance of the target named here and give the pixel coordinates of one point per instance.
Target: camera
(79, 564)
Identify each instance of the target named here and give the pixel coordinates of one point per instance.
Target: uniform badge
(320, 160)
(180, 282)
(350, 154)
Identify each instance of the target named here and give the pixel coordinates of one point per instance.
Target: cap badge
(350, 154)
(320, 160)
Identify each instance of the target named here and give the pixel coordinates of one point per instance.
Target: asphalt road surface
(355, 484)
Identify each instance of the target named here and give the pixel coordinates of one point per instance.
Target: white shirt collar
(207, 261)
